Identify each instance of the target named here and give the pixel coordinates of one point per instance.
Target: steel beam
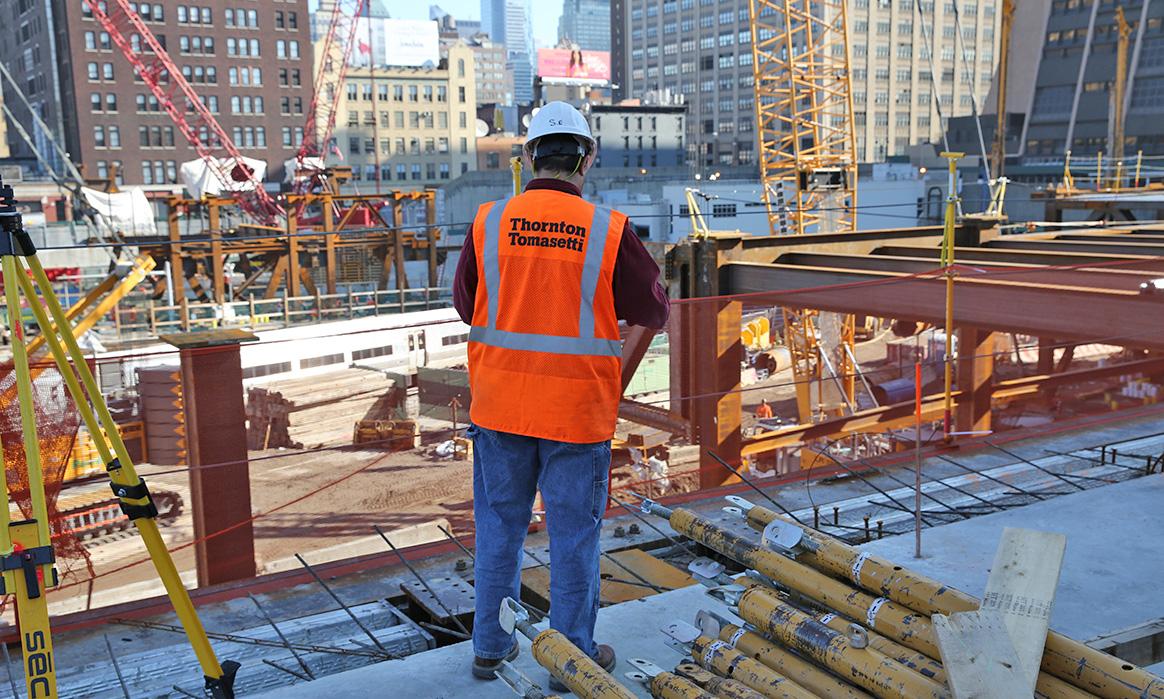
(1088, 248)
(1097, 277)
(888, 417)
(1070, 312)
(1031, 258)
(654, 416)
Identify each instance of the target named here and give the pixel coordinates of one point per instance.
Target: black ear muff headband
(557, 146)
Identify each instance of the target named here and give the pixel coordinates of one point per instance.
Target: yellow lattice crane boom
(808, 169)
(1124, 33)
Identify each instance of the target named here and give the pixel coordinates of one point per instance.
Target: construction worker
(764, 411)
(543, 279)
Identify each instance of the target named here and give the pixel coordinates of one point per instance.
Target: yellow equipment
(1124, 31)
(948, 267)
(808, 152)
(26, 554)
(555, 652)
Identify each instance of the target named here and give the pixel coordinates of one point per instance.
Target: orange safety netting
(57, 423)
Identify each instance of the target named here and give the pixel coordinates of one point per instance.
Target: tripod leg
(40, 670)
(27, 407)
(27, 556)
(126, 484)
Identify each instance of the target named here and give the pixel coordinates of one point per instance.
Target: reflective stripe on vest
(586, 343)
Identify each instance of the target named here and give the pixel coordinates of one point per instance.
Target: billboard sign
(573, 67)
(395, 42)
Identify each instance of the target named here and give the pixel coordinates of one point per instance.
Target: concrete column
(220, 497)
(975, 379)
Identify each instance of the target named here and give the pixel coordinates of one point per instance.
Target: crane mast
(998, 156)
(1124, 33)
(157, 70)
(331, 71)
(808, 170)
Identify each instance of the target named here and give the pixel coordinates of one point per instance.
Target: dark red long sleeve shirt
(639, 298)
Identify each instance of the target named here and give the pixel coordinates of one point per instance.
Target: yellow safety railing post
(515, 165)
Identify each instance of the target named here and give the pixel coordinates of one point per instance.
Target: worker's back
(544, 345)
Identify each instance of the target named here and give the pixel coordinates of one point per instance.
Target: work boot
(486, 668)
(604, 658)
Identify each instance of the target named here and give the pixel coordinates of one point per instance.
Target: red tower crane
(153, 65)
(330, 73)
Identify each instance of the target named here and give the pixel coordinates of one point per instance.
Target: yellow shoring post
(948, 268)
(29, 571)
(515, 165)
(1139, 161)
(1119, 176)
(1068, 180)
(126, 484)
(1099, 171)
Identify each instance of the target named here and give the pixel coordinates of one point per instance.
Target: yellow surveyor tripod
(26, 554)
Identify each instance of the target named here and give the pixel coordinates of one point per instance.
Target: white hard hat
(559, 118)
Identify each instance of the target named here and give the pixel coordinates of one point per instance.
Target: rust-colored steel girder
(898, 414)
(1094, 277)
(1115, 317)
(1032, 258)
(1114, 247)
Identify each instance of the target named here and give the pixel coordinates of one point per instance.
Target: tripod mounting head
(14, 241)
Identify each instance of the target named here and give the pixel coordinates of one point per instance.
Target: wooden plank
(980, 662)
(1021, 588)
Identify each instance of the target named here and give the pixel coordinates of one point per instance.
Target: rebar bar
(346, 608)
(420, 578)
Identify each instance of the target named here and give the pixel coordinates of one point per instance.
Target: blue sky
(545, 14)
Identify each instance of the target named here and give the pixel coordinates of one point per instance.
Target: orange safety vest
(544, 350)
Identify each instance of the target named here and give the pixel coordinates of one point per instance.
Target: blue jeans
(573, 478)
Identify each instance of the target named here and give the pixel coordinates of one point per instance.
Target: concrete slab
(632, 628)
(1115, 541)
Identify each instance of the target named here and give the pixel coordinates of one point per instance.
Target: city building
(462, 28)
(703, 51)
(494, 81)
(639, 136)
(250, 64)
(1070, 108)
(507, 22)
(585, 23)
(3, 128)
(409, 127)
(495, 150)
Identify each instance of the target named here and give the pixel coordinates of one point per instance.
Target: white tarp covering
(127, 211)
(310, 163)
(201, 180)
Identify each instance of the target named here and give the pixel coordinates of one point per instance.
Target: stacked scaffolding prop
(26, 551)
(563, 659)
(898, 655)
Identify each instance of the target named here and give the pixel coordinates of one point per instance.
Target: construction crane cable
(968, 74)
(928, 45)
